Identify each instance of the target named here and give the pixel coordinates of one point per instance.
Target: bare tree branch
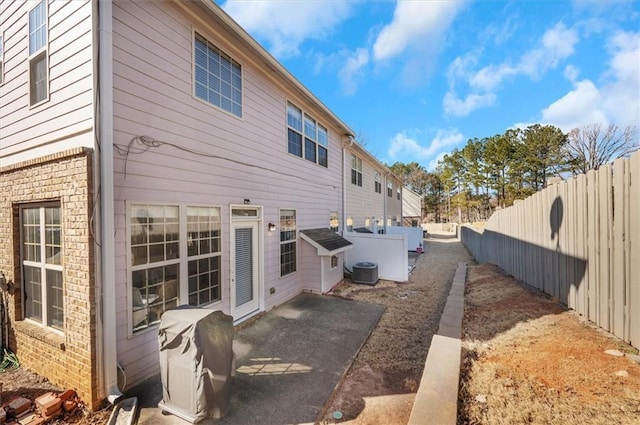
(591, 146)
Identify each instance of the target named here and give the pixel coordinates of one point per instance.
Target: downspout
(344, 181)
(107, 257)
(385, 205)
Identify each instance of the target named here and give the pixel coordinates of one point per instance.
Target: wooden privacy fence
(577, 240)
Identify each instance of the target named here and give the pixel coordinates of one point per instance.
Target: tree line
(468, 184)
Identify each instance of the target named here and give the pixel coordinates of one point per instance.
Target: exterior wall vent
(365, 273)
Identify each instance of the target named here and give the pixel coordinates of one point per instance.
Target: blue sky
(418, 78)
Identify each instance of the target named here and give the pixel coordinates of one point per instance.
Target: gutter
(107, 226)
(344, 181)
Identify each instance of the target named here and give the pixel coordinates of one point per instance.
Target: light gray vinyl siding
(364, 201)
(223, 160)
(66, 119)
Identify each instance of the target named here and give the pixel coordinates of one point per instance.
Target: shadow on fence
(551, 271)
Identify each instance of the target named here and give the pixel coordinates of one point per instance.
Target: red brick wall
(67, 359)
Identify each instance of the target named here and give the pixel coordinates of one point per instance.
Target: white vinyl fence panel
(388, 251)
(414, 235)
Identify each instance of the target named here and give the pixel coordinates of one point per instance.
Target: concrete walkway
(437, 399)
(288, 362)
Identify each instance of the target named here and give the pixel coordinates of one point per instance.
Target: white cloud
(622, 95)
(576, 108)
(415, 24)
(490, 77)
(352, 71)
(285, 25)
(617, 101)
(460, 108)
(403, 145)
(571, 73)
(555, 45)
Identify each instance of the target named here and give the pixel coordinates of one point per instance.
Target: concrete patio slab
(288, 362)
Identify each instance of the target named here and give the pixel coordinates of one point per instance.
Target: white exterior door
(245, 267)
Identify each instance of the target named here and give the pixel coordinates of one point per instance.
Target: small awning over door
(326, 241)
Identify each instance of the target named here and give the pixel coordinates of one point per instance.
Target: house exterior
(373, 195)
(411, 208)
(152, 154)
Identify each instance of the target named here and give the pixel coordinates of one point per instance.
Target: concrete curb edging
(437, 399)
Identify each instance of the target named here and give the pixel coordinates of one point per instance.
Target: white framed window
(323, 145)
(306, 138)
(217, 77)
(1, 58)
(377, 185)
(389, 189)
(334, 221)
(288, 238)
(349, 224)
(334, 261)
(43, 285)
(38, 54)
(174, 258)
(204, 255)
(356, 170)
(398, 193)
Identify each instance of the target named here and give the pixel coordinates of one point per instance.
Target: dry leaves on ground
(526, 359)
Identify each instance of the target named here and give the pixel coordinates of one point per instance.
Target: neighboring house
(373, 195)
(153, 154)
(411, 208)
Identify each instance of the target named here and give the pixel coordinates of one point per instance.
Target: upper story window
(1, 59)
(218, 78)
(41, 236)
(38, 55)
(398, 193)
(288, 237)
(356, 170)
(377, 184)
(306, 137)
(389, 189)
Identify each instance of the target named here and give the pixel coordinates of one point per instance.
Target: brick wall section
(68, 359)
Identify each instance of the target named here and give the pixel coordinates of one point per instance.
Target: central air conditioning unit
(365, 273)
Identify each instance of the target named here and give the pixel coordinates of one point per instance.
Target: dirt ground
(525, 358)
(528, 360)
(386, 373)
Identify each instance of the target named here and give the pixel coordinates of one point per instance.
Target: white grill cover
(196, 362)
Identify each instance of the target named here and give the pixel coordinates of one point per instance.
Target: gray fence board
(577, 240)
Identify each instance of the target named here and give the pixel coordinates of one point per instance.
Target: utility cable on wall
(148, 142)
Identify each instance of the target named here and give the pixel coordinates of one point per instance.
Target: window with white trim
(306, 138)
(356, 170)
(172, 244)
(41, 236)
(38, 54)
(288, 237)
(334, 261)
(389, 189)
(218, 78)
(334, 221)
(377, 185)
(398, 193)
